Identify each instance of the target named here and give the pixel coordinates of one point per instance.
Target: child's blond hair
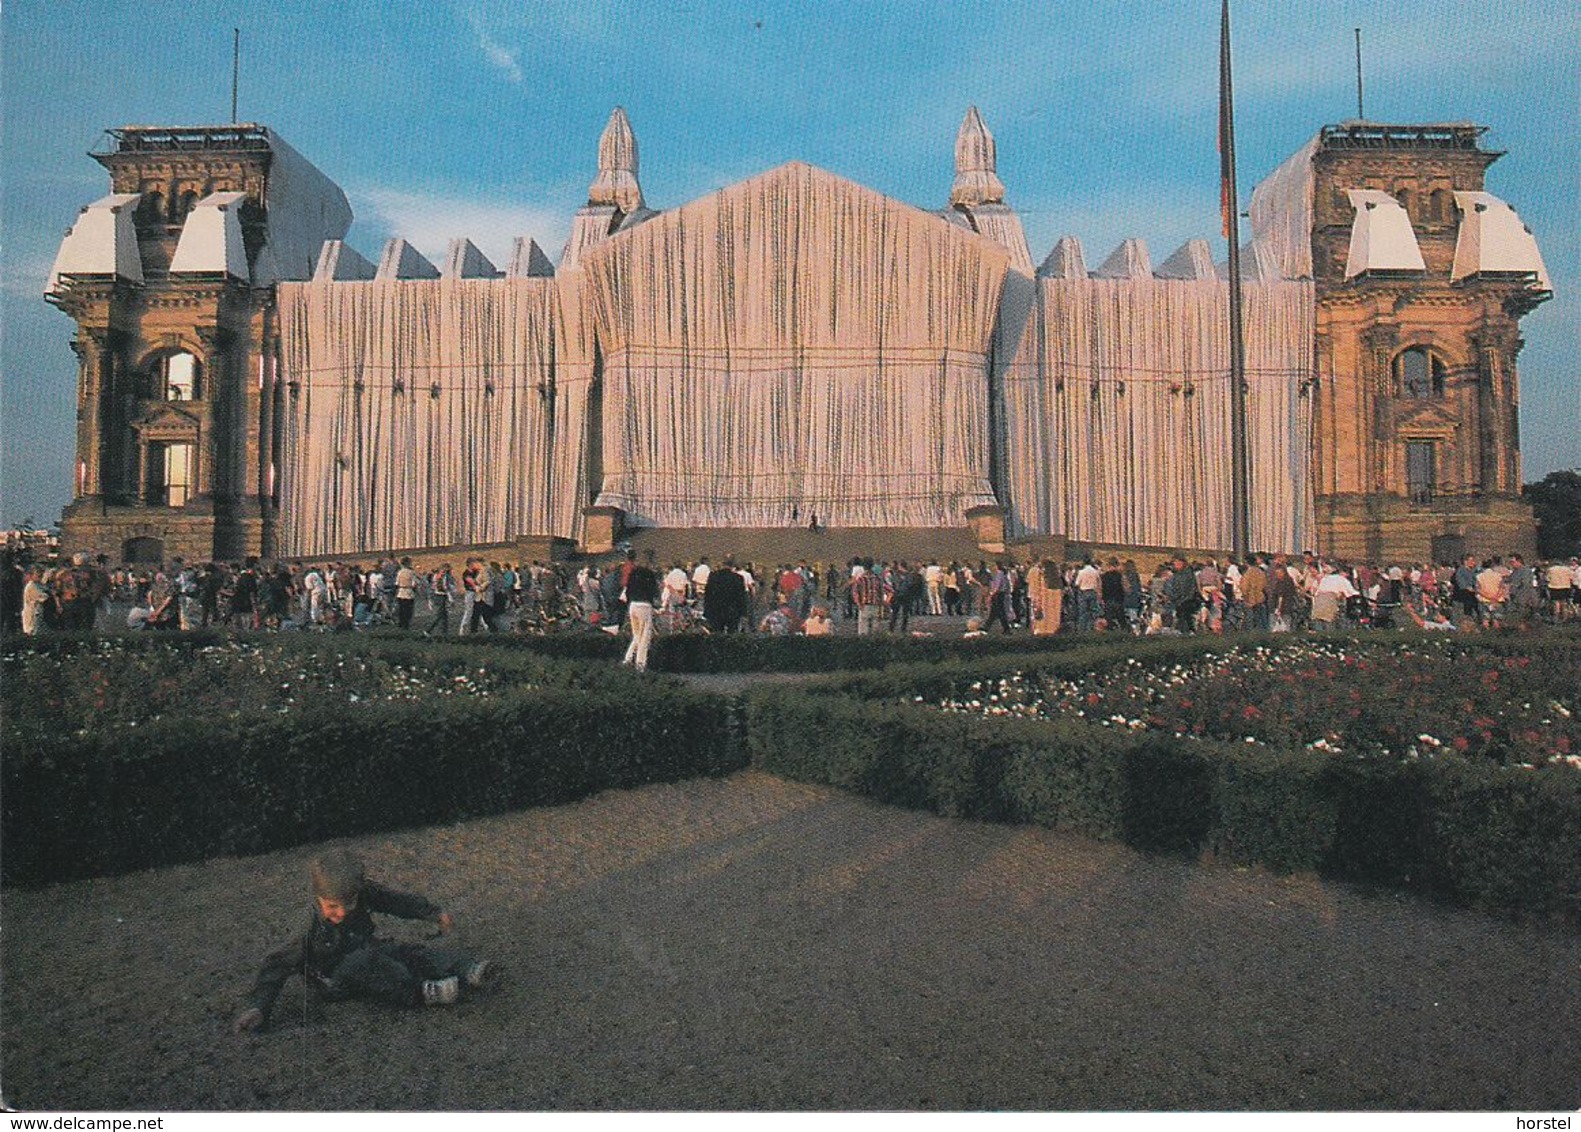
(337, 876)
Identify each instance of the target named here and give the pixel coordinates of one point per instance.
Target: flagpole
(236, 68)
(1239, 493)
(1361, 115)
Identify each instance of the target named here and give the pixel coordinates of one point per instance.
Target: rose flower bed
(111, 684)
(139, 751)
(1417, 698)
(1336, 756)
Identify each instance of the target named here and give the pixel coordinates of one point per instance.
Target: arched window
(1439, 200)
(1418, 374)
(175, 376)
(144, 549)
(1407, 201)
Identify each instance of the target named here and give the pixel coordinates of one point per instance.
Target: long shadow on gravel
(750, 943)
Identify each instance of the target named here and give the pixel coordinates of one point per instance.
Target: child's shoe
(441, 992)
(479, 974)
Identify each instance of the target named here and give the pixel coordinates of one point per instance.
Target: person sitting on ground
(340, 957)
(974, 629)
(1432, 618)
(777, 622)
(818, 623)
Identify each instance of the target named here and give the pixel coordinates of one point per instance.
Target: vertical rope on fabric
(1117, 402)
(775, 349)
(420, 416)
(791, 344)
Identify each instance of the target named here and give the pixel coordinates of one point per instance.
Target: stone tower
(170, 279)
(1422, 278)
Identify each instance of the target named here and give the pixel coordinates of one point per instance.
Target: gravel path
(750, 943)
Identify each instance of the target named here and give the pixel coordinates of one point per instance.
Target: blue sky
(481, 119)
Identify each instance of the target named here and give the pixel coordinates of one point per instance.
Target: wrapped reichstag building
(791, 347)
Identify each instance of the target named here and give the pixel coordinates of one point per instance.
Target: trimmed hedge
(759, 652)
(78, 799)
(762, 652)
(175, 790)
(1466, 832)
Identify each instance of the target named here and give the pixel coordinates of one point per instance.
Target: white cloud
(496, 53)
(495, 23)
(429, 221)
(25, 277)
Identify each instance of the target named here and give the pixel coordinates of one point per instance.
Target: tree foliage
(1556, 500)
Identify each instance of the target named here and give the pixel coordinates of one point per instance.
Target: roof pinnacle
(976, 181)
(616, 182)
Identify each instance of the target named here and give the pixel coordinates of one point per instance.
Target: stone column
(211, 479)
(1493, 421)
(142, 470)
(1512, 427)
(260, 397)
(1373, 434)
(89, 346)
(1322, 459)
(1493, 404)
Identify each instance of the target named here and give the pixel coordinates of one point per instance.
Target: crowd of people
(180, 595)
(1276, 593)
(1281, 593)
(1269, 593)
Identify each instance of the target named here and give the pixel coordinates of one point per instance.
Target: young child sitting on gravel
(340, 957)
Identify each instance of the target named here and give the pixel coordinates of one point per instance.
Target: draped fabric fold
(1281, 213)
(795, 344)
(1117, 413)
(427, 413)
